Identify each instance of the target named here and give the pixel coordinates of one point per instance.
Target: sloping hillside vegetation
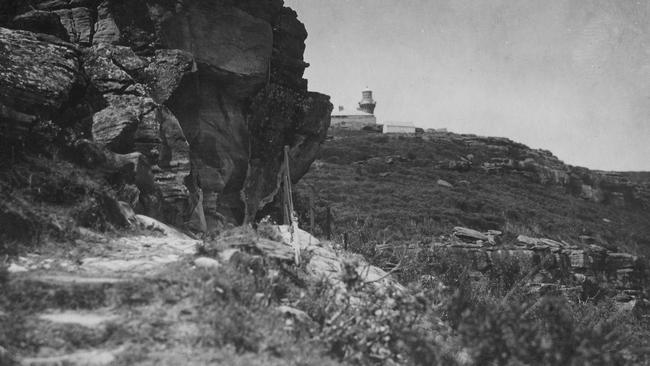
(399, 201)
(383, 189)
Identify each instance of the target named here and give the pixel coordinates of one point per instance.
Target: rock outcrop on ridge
(498, 155)
(206, 92)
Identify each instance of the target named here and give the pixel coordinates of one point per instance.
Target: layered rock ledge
(584, 267)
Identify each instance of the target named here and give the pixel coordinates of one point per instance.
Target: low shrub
(364, 325)
(545, 331)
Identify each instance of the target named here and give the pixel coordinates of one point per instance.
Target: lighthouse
(367, 104)
(356, 119)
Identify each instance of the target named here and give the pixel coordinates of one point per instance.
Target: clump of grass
(45, 200)
(363, 325)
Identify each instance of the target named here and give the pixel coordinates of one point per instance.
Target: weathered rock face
(133, 121)
(76, 16)
(166, 71)
(215, 126)
(38, 21)
(229, 44)
(78, 22)
(233, 58)
(273, 107)
(179, 83)
(38, 78)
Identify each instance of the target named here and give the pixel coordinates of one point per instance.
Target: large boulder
(310, 132)
(307, 123)
(76, 16)
(78, 22)
(107, 75)
(114, 127)
(215, 126)
(38, 79)
(287, 63)
(127, 23)
(39, 21)
(218, 56)
(166, 71)
(134, 121)
(131, 168)
(172, 174)
(229, 43)
(106, 29)
(129, 123)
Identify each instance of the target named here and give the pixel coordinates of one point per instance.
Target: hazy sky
(571, 76)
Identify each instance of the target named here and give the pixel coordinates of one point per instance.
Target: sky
(569, 76)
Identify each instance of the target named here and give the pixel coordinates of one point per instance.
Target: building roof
(399, 124)
(350, 112)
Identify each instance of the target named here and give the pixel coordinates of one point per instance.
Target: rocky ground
(116, 300)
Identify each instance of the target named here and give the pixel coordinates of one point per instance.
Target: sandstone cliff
(200, 96)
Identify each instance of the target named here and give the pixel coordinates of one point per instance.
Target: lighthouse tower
(367, 104)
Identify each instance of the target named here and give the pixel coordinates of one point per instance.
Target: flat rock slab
(69, 279)
(205, 262)
(300, 237)
(139, 255)
(465, 233)
(144, 245)
(155, 225)
(85, 319)
(81, 358)
(133, 266)
(36, 263)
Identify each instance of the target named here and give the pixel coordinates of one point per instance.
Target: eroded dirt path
(74, 316)
(135, 299)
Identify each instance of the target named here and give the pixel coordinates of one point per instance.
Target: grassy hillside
(385, 189)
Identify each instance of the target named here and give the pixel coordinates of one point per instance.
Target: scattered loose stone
(152, 224)
(128, 265)
(14, 268)
(586, 239)
(89, 320)
(227, 254)
(298, 314)
(81, 280)
(469, 234)
(540, 243)
(91, 235)
(86, 358)
(205, 262)
(444, 183)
